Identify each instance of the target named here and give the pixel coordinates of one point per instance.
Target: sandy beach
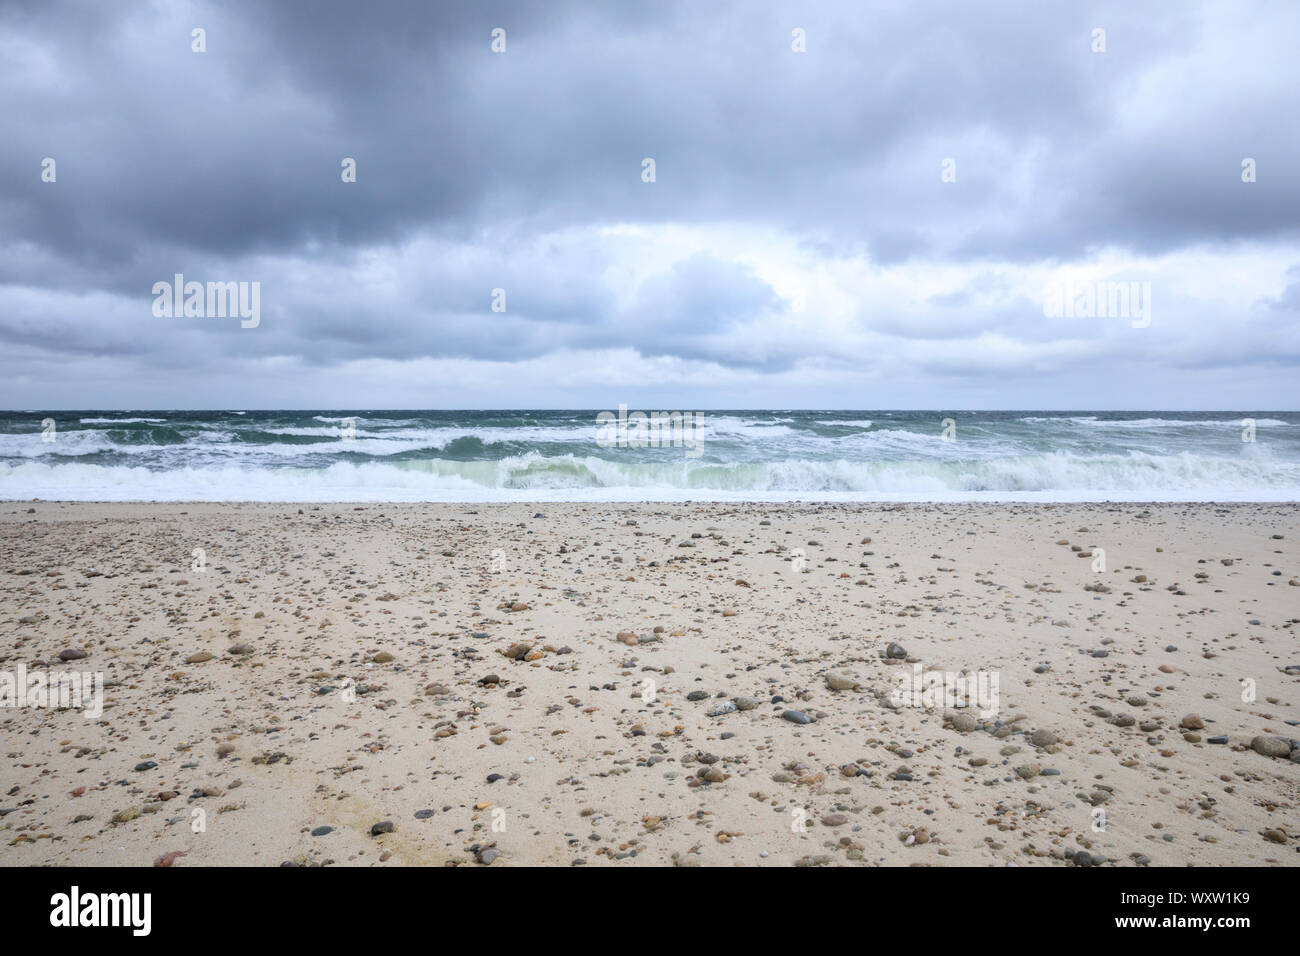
(676, 684)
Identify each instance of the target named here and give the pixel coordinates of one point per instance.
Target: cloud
(797, 222)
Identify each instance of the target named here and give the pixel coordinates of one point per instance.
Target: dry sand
(324, 729)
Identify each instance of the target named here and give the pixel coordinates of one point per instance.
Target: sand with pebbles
(457, 672)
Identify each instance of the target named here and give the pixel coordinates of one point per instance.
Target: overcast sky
(798, 247)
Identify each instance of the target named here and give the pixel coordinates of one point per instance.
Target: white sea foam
(1094, 422)
(67, 443)
(1055, 476)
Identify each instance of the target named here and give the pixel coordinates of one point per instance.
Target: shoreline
(854, 500)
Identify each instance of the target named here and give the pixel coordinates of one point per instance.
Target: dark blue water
(371, 455)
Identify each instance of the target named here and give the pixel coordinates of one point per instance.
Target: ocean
(768, 455)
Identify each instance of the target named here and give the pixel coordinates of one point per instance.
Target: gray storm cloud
(522, 171)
